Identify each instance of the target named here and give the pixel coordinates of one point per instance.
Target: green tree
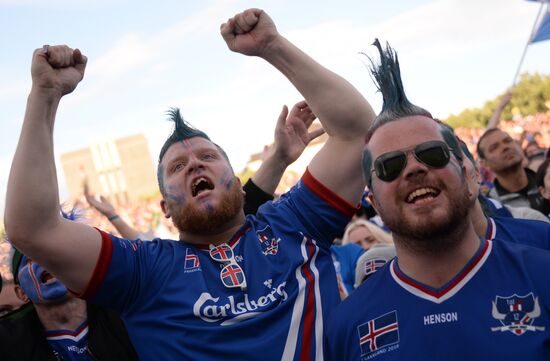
(529, 97)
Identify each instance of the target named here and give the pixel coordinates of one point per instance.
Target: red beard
(208, 220)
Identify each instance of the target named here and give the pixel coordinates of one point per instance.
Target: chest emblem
(269, 244)
(380, 334)
(516, 313)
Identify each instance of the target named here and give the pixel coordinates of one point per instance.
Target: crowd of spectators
(524, 129)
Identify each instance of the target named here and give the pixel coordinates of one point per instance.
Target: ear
(164, 208)
(20, 293)
(545, 193)
(372, 201)
(239, 183)
(478, 176)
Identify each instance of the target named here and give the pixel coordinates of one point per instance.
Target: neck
(436, 269)
(478, 219)
(513, 179)
(67, 315)
(221, 235)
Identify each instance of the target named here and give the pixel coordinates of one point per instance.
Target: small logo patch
(191, 260)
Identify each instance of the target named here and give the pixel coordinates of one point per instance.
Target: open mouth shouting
(199, 185)
(46, 278)
(422, 195)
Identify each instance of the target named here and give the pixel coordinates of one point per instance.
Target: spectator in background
(54, 324)
(365, 234)
(543, 184)
(9, 301)
(371, 261)
(360, 235)
(514, 185)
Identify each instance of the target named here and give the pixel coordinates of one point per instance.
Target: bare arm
(32, 218)
(495, 118)
(343, 111)
(103, 206)
(291, 138)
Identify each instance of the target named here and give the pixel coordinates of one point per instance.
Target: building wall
(121, 170)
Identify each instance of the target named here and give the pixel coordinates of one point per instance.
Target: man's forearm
(343, 111)
(32, 199)
(268, 176)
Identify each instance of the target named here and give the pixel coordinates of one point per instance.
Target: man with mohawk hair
(232, 287)
(448, 295)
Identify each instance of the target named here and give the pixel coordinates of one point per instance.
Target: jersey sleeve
(311, 208)
(128, 272)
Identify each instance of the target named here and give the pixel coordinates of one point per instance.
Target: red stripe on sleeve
(101, 266)
(327, 195)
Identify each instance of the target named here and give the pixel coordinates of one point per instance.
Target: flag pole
(527, 44)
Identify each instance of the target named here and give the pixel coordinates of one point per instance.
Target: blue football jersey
(70, 345)
(173, 297)
(496, 308)
(523, 231)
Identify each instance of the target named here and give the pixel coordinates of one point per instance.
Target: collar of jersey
(491, 229)
(439, 295)
(233, 241)
(74, 335)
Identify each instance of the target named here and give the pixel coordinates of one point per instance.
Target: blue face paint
(175, 194)
(30, 281)
(227, 180)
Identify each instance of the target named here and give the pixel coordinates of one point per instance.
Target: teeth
(196, 183)
(421, 192)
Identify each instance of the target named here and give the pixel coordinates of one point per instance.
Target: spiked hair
(396, 105)
(182, 130)
(387, 78)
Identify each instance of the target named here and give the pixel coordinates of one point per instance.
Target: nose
(195, 165)
(414, 169)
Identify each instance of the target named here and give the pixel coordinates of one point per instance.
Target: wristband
(112, 218)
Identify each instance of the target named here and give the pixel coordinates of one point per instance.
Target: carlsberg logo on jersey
(229, 311)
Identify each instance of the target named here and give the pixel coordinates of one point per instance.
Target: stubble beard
(208, 220)
(431, 235)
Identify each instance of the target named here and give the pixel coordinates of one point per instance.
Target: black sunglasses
(435, 154)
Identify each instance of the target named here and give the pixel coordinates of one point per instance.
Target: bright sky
(145, 57)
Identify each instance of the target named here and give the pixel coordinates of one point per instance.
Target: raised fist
(57, 68)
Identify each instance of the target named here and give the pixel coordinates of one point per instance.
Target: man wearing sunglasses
(449, 294)
(233, 287)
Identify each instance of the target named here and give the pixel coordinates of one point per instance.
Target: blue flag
(542, 29)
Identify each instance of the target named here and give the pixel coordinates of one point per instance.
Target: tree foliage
(528, 97)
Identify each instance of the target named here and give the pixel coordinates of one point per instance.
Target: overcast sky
(145, 57)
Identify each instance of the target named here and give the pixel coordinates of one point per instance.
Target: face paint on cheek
(174, 194)
(227, 179)
(38, 292)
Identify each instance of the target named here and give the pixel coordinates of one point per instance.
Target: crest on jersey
(516, 313)
(378, 333)
(269, 244)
